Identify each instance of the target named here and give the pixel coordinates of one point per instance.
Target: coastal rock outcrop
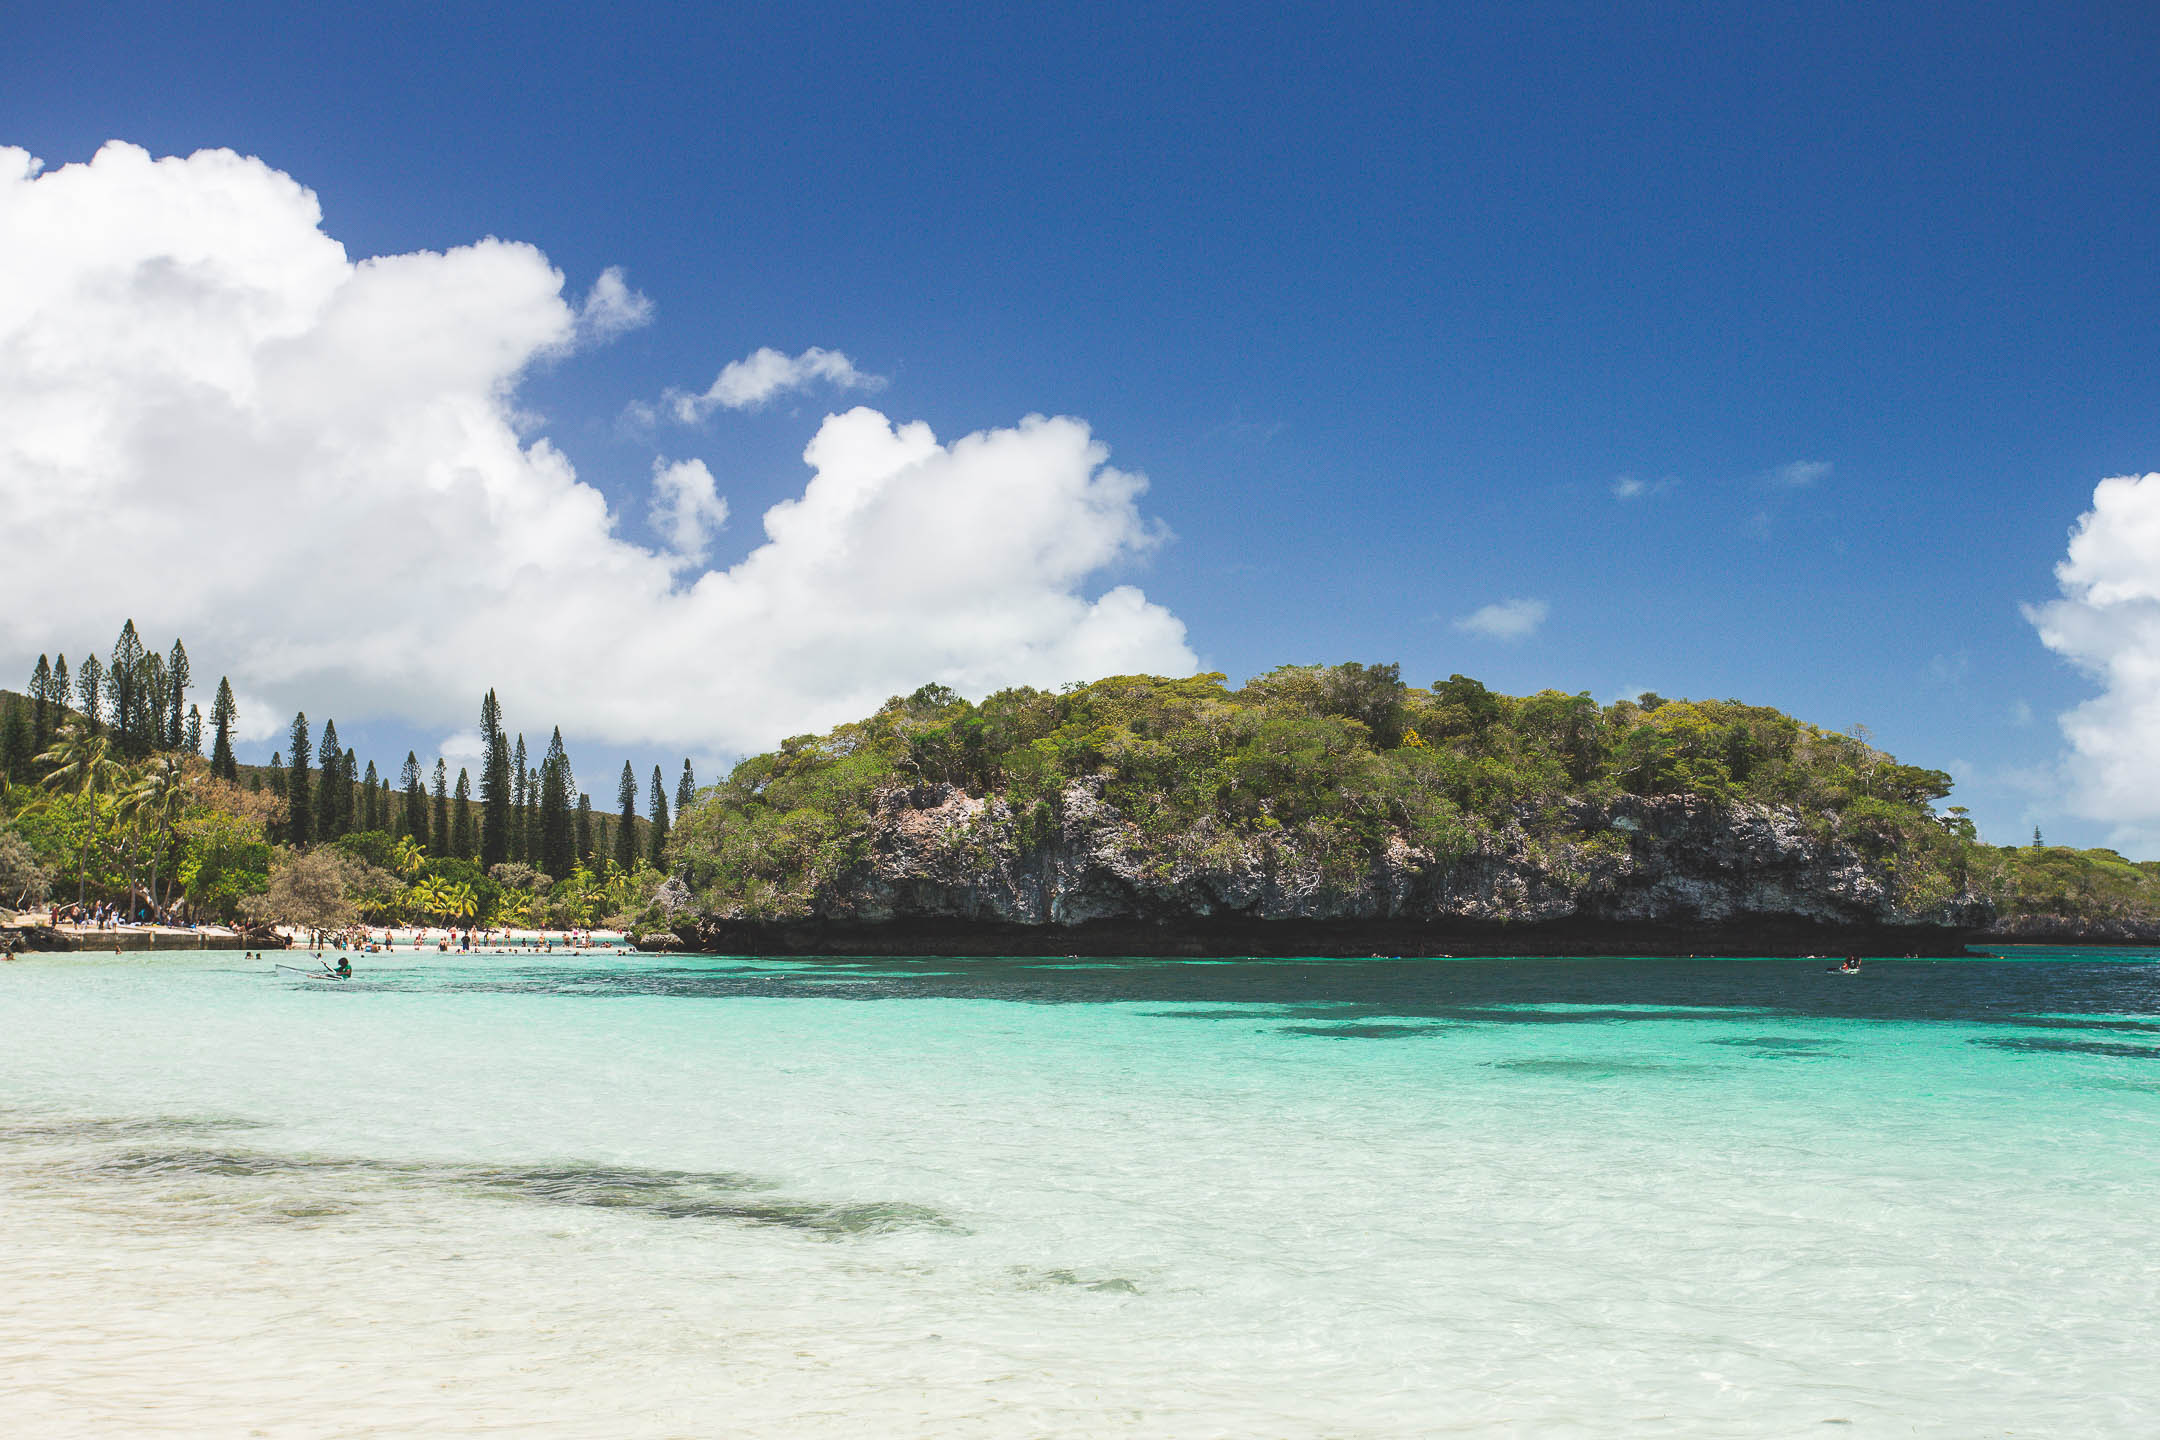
(941, 870)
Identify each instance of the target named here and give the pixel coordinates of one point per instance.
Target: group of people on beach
(99, 915)
(474, 941)
(107, 915)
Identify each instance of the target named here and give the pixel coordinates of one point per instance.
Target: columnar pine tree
(178, 678)
(191, 731)
(62, 696)
(532, 818)
(277, 774)
(584, 828)
(521, 799)
(299, 796)
(371, 815)
(222, 714)
(658, 800)
(42, 706)
(557, 839)
(439, 830)
(90, 692)
(415, 800)
(147, 729)
(15, 751)
(348, 799)
(123, 687)
(331, 757)
(626, 824)
(462, 840)
(495, 787)
(685, 789)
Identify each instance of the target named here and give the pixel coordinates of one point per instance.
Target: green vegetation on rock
(1340, 768)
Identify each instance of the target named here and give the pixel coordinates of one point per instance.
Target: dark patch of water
(667, 1194)
(96, 1128)
(2051, 1045)
(2060, 1022)
(1504, 990)
(1362, 1032)
(1592, 1069)
(1069, 1279)
(1779, 1047)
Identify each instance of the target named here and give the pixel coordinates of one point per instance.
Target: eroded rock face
(2045, 929)
(941, 860)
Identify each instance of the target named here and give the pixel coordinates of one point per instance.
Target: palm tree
(82, 762)
(408, 856)
(158, 798)
(459, 902)
(426, 895)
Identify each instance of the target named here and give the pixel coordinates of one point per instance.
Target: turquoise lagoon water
(1011, 1198)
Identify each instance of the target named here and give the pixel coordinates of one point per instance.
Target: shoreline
(1227, 937)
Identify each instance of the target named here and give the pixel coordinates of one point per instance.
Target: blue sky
(1390, 306)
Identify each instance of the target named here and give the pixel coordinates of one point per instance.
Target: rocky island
(1324, 810)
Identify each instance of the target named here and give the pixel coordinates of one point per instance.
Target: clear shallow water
(959, 1198)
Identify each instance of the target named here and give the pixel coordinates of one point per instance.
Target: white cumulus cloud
(1508, 620)
(215, 421)
(611, 307)
(2108, 624)
(686, 507)
(765, 374)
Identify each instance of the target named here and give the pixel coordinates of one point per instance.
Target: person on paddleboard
(344, 968)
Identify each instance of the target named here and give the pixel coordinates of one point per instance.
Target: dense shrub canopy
(1345, 759)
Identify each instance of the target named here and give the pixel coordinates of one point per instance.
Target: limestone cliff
(940, 870)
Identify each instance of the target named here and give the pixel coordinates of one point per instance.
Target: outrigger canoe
(306, 974)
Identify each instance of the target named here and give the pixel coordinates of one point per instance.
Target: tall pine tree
(439, 831)
(685, 790)
(658, 839)
(299, 797)
(42, 707)
(178, 679)
(521, 801)
(15, 751)
(90, 690)
(495, 786)
(371, 816)
(461, 816)
(62, 697)
(584, 829)
(123, 689)
(415, 800)
(557, 840)
(330, 783)
(626, 826)
(222, 714)
(148, 727)
(191, 731)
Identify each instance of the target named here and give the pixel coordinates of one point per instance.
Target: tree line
(76, 745)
